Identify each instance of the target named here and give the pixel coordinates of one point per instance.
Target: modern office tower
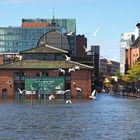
(16, 39)
(126, 41)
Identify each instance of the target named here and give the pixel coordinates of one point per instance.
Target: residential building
(108, 67)
(126, 41)
(134, 53)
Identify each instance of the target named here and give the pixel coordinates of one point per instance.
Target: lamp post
(44, 90)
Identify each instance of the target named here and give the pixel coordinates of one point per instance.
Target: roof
(43, 49)
(37, 64)
(138, 24)
(136, 42)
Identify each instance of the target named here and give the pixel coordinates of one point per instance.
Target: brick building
(81, 41)
(44, 64)
(36, 52)
(134, 52)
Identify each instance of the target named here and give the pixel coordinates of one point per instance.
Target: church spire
(53, 23)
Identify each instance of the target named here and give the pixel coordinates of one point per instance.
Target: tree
(133, 74)
(117, 73)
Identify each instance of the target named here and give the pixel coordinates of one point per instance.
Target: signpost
(47, 85)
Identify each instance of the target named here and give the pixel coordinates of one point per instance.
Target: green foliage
(133, 74)
(118, 74)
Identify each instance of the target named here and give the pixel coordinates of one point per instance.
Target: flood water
(106, 118)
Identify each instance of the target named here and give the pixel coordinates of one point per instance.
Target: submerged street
(105, 118)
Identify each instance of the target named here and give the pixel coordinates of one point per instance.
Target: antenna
(53, 24)
(53, 13)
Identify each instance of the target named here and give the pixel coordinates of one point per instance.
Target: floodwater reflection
(106, 118)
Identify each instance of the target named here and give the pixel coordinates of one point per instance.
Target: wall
(35, 24)
(80, 41)
(81, 79)
(1, 59)
(5, 77)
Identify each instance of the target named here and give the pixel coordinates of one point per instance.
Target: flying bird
(86, 49)
(42, 42)
(70, 33)
(93, 95)
(115, 78)
(71, 69)
(51, 97)
(106, 80)
(62, 70)
(9, 82)
(79, 89)
(94, 34)
(73, 83)
(21, 91)
(76, 67)
(68, 90)
(68, 102)
(67, 58)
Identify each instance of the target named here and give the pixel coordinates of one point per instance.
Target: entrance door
(79, 95)
(4, 94)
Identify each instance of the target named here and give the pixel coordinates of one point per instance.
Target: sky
(108, 18)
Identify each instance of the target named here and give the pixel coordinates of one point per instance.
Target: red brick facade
(80, 79)
(133, 55)
(6, 82)
(35, 24)
(1, 59)
(80, 42)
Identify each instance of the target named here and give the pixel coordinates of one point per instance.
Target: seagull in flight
(76, 67)
(68, 90)
(51, 97)
(70, 33)
(93, 95)
(71, 69)
(94, 34)
(67, 58)
(42, 42)
(115, 78)
(86, 49)
(79, 89)
(73, 83)
(62, 70)
(68, 102)
(9, 82)
(21, 91)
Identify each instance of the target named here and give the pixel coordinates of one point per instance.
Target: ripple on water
(106, 118)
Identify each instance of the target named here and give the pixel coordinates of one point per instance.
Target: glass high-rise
(16, 39)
